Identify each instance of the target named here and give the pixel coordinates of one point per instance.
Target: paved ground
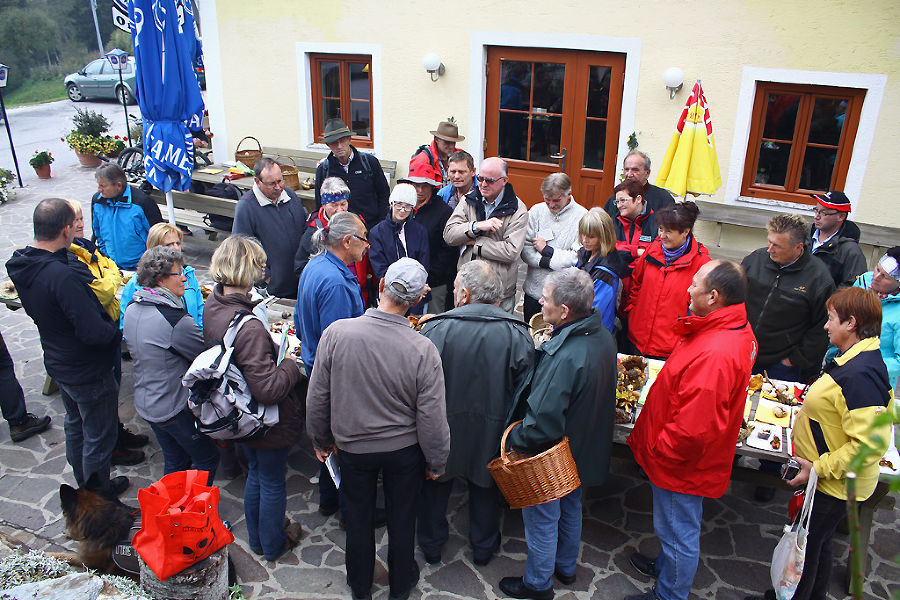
(738, 534)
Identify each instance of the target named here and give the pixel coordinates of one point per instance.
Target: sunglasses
(483, 179)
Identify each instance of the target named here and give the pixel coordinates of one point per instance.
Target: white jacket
(563, 239)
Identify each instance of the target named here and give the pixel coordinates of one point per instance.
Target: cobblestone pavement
(738, 534)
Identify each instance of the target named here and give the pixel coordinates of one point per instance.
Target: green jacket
(571, 391)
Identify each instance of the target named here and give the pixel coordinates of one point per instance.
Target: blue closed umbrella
(165, 49)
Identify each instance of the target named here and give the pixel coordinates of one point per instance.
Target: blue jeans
(90, 425)
(184, 447)
(553, 535)
(265, 500)
(12, 400)
(676, 520)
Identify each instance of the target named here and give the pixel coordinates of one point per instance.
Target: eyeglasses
(824, 213)
(403, 207)
(362, 239)
(179, 274)
(272, 183)
(483, 179)
(619, 201)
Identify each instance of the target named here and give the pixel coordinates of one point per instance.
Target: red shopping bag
(180, 523)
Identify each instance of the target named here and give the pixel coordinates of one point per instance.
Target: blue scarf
(672, 255)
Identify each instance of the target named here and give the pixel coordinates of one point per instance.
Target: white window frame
(874, 85)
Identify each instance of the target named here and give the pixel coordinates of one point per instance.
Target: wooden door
(555, 110)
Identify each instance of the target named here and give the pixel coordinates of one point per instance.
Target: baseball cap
(834, 200)
(406, 278)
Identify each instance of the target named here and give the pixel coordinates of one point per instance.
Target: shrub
(44, 157)
(6, 177)
(88, 122)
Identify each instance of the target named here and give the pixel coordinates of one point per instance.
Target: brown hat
(335, 129)
(447, 130)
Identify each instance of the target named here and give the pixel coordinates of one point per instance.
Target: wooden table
(308, 197)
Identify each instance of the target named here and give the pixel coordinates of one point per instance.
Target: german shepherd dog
(97, 523)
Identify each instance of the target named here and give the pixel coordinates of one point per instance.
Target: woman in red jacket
(660, 280)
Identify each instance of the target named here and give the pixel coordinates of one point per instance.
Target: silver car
(99, 80)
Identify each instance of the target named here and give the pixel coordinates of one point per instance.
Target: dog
(96, 522)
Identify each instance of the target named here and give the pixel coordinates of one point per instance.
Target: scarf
(672, 255)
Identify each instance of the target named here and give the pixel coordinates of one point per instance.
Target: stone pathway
(738, 534)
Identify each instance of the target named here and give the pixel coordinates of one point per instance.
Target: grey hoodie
(163, 340)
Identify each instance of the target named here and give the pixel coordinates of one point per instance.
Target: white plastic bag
(790, 553)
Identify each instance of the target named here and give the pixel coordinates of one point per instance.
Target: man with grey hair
(121, 216)
(273, 214)
(636, 166)
(335, 199)
(384, 385)
(569, 392)
(486, 353)
(551, 239)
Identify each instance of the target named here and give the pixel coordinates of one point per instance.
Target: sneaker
(644, 564)
(127, 457)
(129, 439)
(27, 428)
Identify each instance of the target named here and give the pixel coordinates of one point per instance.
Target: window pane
(545, 132)
(827, 121)
(359, 81)
(359, 118)
(773, 163)
(594, 144)
(549, 79)
(513, 133)
(515, 78)
(818, 164)
(331, 79)
(781, 117)
(331, 109)
(598, 92)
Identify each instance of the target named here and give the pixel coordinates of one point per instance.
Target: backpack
(222, 190)
(220, 398)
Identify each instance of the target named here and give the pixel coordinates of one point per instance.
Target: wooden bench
(190, 210)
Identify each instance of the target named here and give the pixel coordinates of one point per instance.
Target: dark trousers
(530, 307)
(183, 447)
(12, 400)
(403, 472)
(90, 425)
(827, 512)
(484, 518)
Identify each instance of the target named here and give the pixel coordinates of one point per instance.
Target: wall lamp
(673, 77)
(434, 66)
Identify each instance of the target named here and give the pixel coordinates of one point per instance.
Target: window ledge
(794, 207)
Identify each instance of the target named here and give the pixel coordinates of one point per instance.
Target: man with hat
(446, 136)
(432, 213)
(361, 171)
(835, 239)
(386, 383)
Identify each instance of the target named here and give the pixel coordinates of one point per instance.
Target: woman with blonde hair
(170, 236)
(598, 258)
(236, 264)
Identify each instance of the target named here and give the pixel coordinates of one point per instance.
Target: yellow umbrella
(691, 165)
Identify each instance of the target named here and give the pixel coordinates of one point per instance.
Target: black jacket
(385, 247)
(369, 190)
(842, 254)
(786, 308)
(78, 336)
(433, 217)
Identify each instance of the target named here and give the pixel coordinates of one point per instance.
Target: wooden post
(206, 580)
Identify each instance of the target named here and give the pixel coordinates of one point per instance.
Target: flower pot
(88, 161)
(43, 171)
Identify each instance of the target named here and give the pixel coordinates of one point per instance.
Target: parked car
(98, 79)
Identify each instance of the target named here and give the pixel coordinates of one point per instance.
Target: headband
(335, 197)
(890, 266)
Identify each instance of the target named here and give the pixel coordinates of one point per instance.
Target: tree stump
(206, 580)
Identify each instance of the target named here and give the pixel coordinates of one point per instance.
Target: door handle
(561, 157)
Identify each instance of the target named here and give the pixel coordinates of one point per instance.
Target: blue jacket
(385, 245)
(328, 291)
(193, 299)
(121, 224)
(606, 273)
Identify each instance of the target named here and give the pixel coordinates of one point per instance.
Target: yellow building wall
(711, 41)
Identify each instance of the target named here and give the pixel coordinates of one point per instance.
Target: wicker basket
(290, 173)
(529, 480)
(248, 157)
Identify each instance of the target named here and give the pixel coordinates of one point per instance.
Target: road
(40, 127)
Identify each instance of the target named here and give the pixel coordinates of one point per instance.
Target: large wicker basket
(248, 157)
(290, 173)
(529, 480)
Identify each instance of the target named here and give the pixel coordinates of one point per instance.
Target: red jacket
(430, 156)
(685, 435)
(635, 234)
(658, 296)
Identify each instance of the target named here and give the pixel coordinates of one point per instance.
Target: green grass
(36, 90)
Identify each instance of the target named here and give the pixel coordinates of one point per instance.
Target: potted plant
(88, 137)
(6, 177)
(41, 163)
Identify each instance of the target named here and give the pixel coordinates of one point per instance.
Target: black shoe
(763, 494)
(326, 510)
(27, 428)
(644, 564)
(564, 579)
(515, 587)
(119, 484)
(482, 560)
(129, 439)
(380, 517)
(432, 559)
(651, 595)
(126, 457)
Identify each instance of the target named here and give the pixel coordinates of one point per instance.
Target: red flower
(117, 137)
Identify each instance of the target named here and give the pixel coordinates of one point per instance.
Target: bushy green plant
(41, 158)
(6, 177)
(89, 122)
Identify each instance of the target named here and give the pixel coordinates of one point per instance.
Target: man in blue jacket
(79, 339)
(121, 216)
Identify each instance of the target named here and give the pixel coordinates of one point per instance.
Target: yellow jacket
(107, 277)
(836, 418)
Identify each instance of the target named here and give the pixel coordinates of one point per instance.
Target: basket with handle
(526, 480)
(290, 173)
(248, 157)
